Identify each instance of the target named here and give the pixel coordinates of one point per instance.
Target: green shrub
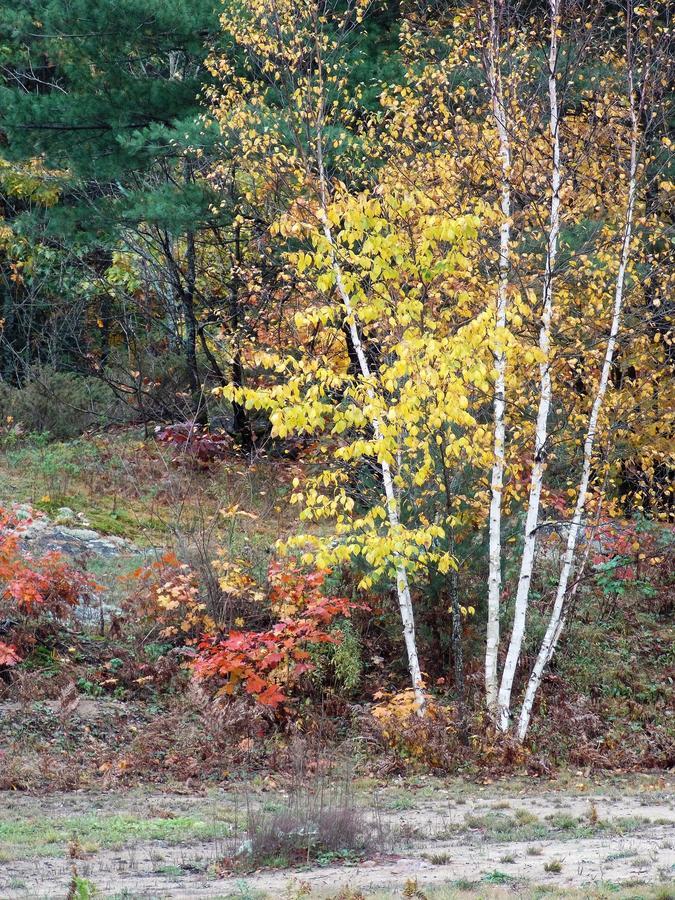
(340, 664)
(53, 464)
(60, 404)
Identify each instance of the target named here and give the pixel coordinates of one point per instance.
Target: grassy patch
(525, 826)
(525, 817)
(553, 866)
(37, 837)
(437, 859)
(131, 487)
(401, 803)
(500, 827)
(496, 877)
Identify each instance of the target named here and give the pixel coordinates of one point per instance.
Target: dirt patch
(447, 838)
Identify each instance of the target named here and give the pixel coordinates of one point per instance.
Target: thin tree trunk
(242, 425)
(402, 584)
(106, 319)
(455, 606)
(557, 620)
(188, 296)
(497, 478)
(541, 428)
(458, 652)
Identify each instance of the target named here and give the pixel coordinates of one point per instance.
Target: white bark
(402, 585)
(557, 620)
(497, 476)
(541, 428)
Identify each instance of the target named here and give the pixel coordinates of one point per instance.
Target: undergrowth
(604, 705)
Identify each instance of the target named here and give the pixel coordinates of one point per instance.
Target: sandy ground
(636, 845)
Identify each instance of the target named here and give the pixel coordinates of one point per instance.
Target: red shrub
(30, 587)
(267, 664)
(8, 655)
(202, 445)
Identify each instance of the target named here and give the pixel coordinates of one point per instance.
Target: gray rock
(43, 535)
(65, 516)
(84, 547)
(80, 534)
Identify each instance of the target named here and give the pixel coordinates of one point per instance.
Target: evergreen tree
(106, 94)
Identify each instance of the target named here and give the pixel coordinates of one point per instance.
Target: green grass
(401, 803)
(497, 877)
(499, 827)
(131, 524)
(36, 837)
(170, 871)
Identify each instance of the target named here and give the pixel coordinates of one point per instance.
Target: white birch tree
(402, 585)
(541, 427)
(351, 318)
(499, 114)
(557, 619)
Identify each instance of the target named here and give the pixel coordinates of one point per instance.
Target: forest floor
(601, 837)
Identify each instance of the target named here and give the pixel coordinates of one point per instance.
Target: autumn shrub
(269, 664)
(433, 741)
(194, 443)
(287, 628)
(240, 598)
(35, 592)
(165, 599)
(336, 664)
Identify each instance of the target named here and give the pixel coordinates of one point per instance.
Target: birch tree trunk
(557, 620)
(497, 476)
(402, 584)
(541, 428)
